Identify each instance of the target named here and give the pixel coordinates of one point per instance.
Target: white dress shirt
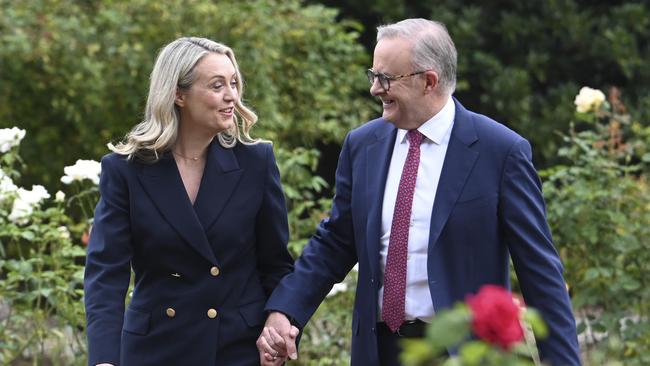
(437, 131)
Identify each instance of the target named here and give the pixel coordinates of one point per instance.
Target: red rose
(495, 316)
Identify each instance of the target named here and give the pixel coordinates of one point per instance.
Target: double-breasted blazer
(488, 208)
(203, 272)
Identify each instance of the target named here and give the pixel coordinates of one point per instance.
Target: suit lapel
(459, 161)
(220, 177)
(164, 185)
(378, 156)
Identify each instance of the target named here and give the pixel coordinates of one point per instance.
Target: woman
(194, 206)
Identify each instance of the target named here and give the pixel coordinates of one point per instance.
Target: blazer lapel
(459, 161)
(378, 156)
(220, 177)
(164, 185)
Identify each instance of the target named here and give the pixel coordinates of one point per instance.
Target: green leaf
(449, 327)
(471, 353)
(27, 235)
(534, 318)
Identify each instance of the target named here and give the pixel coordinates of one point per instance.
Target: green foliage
(599, 209)
(451, 329)
(326, 340)
(520, 61)
(76, 73)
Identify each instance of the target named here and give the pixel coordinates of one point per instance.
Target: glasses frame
(372, 75)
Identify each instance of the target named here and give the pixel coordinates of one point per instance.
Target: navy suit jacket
(226, 253)
(488, 206)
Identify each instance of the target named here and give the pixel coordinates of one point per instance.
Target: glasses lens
(383, 81)
(371, 76)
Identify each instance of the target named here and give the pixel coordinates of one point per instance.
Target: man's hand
(277, 341)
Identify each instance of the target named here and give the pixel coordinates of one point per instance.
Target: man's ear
(180, 98)
(431, 81)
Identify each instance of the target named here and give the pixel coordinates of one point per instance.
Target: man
(431, 199)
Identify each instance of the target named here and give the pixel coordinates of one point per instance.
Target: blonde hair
(173, 70)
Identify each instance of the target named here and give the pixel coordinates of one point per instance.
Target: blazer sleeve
(108, 271)
(328, 256)
(272, 229)
(538, 266)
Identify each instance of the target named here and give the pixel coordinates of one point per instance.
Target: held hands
(277, 341)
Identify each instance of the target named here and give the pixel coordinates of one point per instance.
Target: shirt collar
(437, 126)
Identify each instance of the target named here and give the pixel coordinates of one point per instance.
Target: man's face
(404, 103)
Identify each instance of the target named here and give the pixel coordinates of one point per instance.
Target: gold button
(212, 313)
(170, 312)
(215, 271)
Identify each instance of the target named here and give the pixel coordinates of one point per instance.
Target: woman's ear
(180, 98)
(431, 81)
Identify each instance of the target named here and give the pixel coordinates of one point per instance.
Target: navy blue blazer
(202, 272)
(488, 205)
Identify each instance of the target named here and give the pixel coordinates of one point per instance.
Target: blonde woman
(193, 205)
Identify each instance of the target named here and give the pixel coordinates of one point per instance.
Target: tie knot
(415, 137)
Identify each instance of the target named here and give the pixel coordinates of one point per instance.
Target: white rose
(59, 196)
(10, 137)
(21, 211)
(82, 169)
(589, 99)
(7, 186)
(25, 203)
(65, 233)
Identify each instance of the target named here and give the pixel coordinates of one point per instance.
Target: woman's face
(209, 104)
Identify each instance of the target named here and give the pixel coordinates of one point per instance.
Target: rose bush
(599, 210)
(41, 276)
(504, 332)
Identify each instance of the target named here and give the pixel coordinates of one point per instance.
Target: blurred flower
(10, 137)
(82, 169)
(59, 196)
(495, 316)
(65, 233)
(85, 237)
(339, 287)
(589, 99)
(25, 203)
(7, 186)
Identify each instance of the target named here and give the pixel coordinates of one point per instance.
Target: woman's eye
(217, 86)
(233, 83)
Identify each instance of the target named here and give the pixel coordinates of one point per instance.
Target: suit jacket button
(215, 271)
(170, 312)
(212, 313)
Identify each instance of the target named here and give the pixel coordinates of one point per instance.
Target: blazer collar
(165, 188)
(458, 164)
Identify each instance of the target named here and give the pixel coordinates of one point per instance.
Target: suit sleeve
(108, 271)
(536, 262)
(327, 257)
(272, 229)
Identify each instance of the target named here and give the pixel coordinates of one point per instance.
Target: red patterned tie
(395, 274)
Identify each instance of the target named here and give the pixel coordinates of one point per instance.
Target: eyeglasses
(384, 80)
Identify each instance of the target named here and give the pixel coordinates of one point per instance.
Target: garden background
(74, 75)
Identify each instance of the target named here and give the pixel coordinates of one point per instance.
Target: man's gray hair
(433, 48)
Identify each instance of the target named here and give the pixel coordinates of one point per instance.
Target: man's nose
(376, 88)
